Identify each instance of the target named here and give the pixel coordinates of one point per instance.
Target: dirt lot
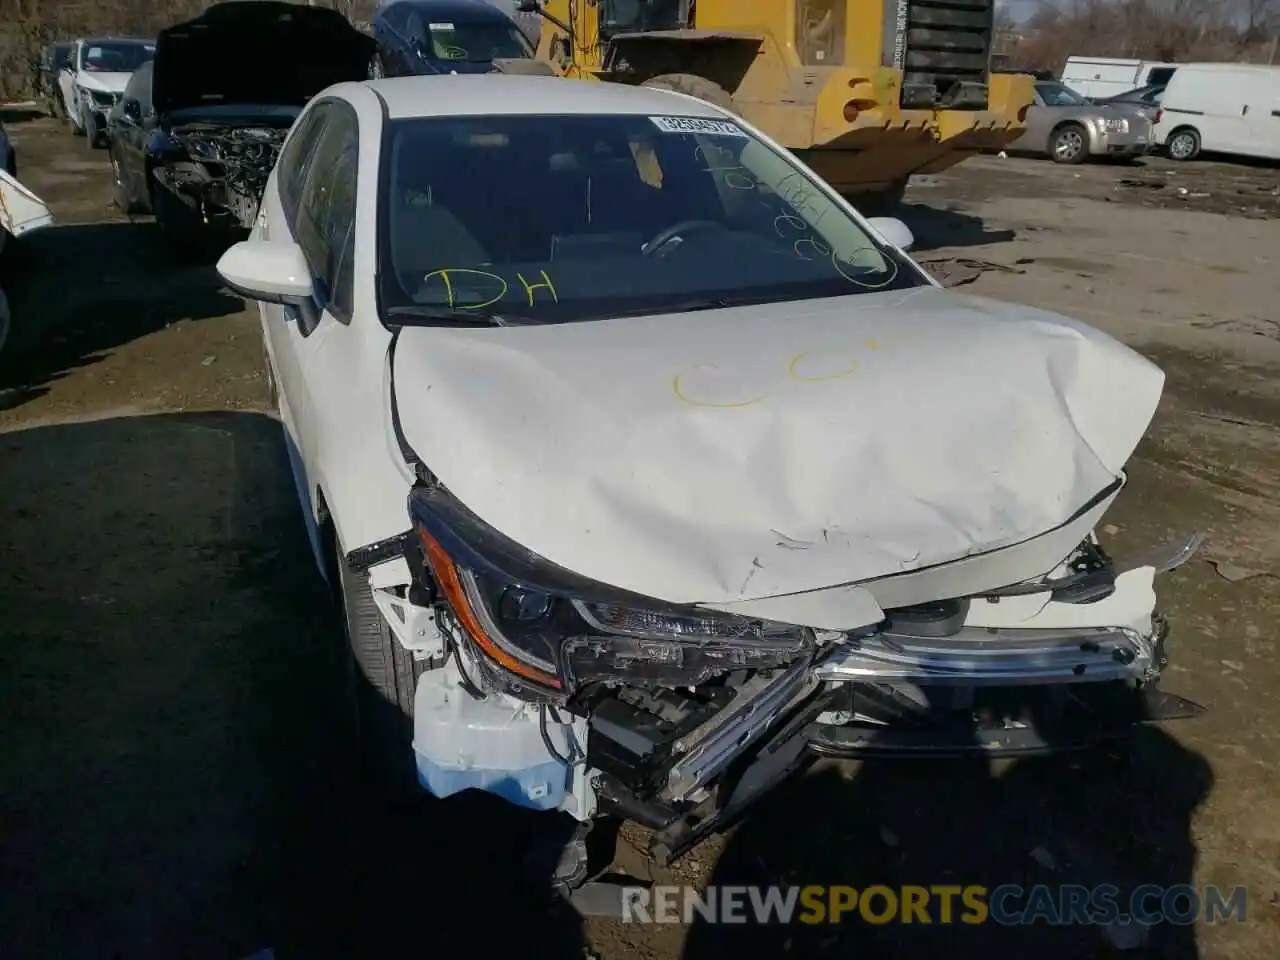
(174, 781)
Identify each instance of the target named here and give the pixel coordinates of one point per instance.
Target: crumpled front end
(558, 692)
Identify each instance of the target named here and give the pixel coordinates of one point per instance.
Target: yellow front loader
(867, 92)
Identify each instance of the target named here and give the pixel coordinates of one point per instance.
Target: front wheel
(1070, 144)
(124, 201)
(92, 135)
(385, 676)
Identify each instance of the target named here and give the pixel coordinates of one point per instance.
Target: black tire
(1183, 144)
(93, 134)
(125, 205)
(1069, 144)
(385, 676)
(694, 86)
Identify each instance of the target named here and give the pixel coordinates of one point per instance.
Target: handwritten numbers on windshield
(722, 163)
(466, 287)
(796, 218)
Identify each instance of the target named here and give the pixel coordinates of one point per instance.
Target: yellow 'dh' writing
(795, 372)
(546, 284)
(908, 904)
(490, 282)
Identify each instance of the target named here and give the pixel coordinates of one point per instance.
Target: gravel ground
(174, 781)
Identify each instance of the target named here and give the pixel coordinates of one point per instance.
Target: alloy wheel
(1068, 145)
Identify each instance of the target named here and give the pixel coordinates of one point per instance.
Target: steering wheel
(667, 234)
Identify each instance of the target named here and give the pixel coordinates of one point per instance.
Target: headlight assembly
(552, 642)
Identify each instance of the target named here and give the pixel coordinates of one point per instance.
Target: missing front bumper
(1077, 718)
(987, 656)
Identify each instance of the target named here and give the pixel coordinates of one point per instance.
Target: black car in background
(196, 134)
(417, 37)
(130, 124)
(53, 58)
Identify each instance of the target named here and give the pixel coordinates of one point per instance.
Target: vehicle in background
(1070, 129)
(866, 94)
(130, 125)
(21, 211)
(700, 571)
(224, 89)
(53, 58)
(94, 78)
(8, 153)
(1107, 76)
(1144, 102)
(424, 37)
(1230, 108)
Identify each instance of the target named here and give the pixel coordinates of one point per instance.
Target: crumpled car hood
(265, 52)
(20, 210)
(103, 82)
(758, 451)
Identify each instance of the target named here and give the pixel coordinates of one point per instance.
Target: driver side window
(324, 225)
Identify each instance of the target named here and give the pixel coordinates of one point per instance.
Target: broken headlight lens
(560, 642)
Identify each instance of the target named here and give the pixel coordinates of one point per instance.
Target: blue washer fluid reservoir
(494, 745)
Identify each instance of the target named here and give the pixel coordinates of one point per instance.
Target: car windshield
(1058, 95)
(476, 42)
(115, 57)
(555, 218)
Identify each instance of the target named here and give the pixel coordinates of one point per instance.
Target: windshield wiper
(444, 314)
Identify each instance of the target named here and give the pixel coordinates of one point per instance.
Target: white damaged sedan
(646, 468)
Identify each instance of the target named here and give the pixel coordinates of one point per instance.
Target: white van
(1220, 107)
(1107, 76)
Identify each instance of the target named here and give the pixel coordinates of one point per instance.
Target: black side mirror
(132, 109)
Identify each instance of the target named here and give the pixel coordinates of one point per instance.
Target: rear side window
(296, 155)
(1161, 75)
(325, 222)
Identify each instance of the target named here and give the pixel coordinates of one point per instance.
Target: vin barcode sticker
(719, 128)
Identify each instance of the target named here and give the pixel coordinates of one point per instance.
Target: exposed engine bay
(226, 88)
(226, 171)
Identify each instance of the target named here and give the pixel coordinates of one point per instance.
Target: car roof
(458, 95)
(464, 10)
